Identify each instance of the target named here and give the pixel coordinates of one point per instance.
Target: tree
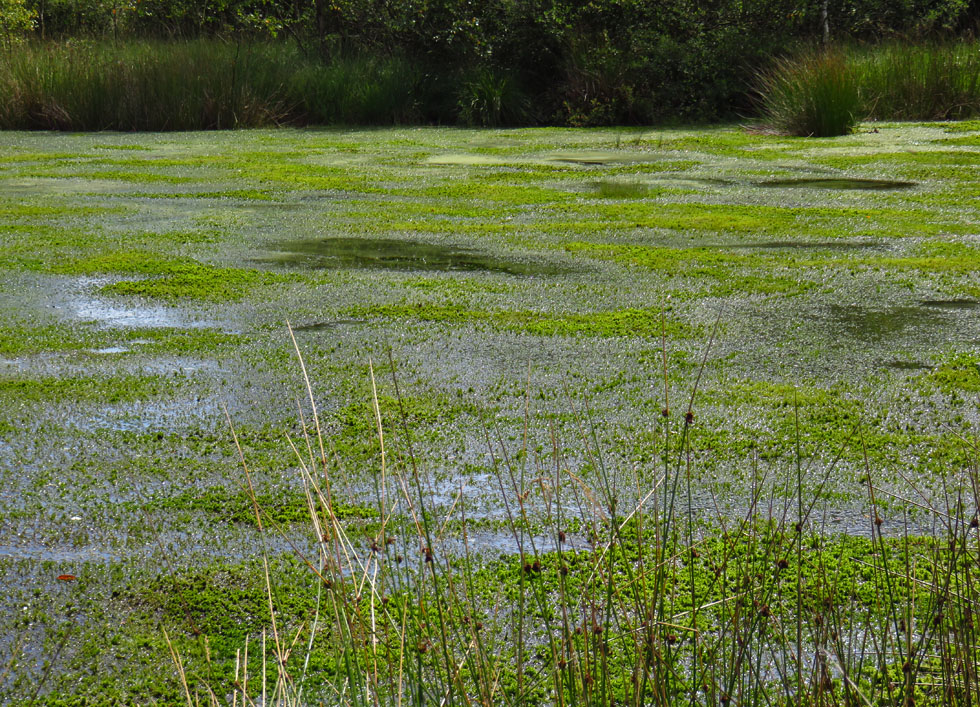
(15, 21)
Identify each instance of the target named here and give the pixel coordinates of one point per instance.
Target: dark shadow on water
(391, 254)
(837, 183)
(324, 326)
(877, 324)
(951, 304)
(611, 189)
(805, 245)
(908, 366)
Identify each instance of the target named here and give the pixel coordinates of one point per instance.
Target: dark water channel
(394, 254)
(838, 183)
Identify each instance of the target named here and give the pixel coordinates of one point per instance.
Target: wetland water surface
(518, 282)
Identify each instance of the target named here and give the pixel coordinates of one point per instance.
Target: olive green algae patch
(840, 183)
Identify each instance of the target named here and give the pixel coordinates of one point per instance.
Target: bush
(491, 99)
(815, 95)
(822, 93)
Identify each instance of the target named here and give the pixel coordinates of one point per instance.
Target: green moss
(171, 279)
(241, 194)
(26, 339)
(508, 194)
(31, 210)
(280, 508)
(112, 176)
(731, 273)
(623, 322)
(961, 373)
(109, 391)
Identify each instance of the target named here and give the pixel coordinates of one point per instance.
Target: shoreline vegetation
(207, 84)
(171, 65)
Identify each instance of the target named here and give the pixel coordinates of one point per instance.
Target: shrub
(815, 95)
(490, 99)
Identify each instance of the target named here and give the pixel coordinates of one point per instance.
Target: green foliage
(16, 20)
(597, 63)
(823, 93)
(171, 279)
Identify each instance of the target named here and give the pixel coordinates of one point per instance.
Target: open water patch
(877, 324)
(107, 314)
(392, 254)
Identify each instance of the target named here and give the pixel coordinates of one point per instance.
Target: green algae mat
(511, 292)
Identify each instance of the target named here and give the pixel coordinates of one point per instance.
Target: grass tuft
(815, 95)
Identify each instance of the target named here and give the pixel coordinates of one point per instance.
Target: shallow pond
(522, 304)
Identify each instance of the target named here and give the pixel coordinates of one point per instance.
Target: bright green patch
(172, 279)
(109, 391)
(280, 508)
(24, 339)
(243, 194)
(731, 273)
(623, 322)
(961, 373)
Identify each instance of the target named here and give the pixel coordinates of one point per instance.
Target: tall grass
(919, 82)
(824, 93)
(618, 593)
(813, 95)
(191, 85)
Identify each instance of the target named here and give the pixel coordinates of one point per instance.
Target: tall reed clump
(823, 93)
(358, 90)
(613, 593)
(194, 85)
(919, 81)
(813, 95)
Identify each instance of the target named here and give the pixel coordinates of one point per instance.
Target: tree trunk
(825, 22)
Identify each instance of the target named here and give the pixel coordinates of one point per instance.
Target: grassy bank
(197, 85)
